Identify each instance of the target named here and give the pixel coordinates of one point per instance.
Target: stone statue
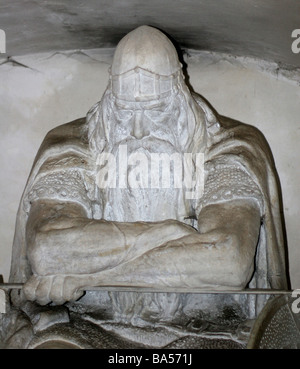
(98, 210)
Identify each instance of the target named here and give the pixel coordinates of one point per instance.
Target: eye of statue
(124, 114)
(157, 114)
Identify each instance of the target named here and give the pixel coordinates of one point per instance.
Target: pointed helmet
(145, 66)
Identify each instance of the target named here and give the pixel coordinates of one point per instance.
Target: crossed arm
(68, 251)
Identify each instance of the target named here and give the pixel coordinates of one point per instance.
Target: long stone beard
(146, 159)
(127, 204)
(142, 191)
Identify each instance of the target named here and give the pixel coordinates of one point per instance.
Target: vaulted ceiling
(255, 28)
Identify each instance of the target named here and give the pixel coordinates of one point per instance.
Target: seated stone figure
(77, 229)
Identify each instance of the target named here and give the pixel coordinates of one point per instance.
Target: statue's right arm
(58, 232)
(62, 242)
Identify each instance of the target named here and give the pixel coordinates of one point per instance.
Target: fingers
(57, 289)
(71, 289)
(37, 289)
(30, 287)
(42, 291)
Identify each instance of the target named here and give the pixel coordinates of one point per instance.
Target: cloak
(240, 143)
(61, 141)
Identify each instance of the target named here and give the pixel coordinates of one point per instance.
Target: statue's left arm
(220, 256)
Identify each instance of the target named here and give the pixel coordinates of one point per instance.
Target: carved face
(145, 77)
(147, 104)
(139, 121)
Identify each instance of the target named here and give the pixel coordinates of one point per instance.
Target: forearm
(178, 266)
(238, 220)
(77, 250)
(221, 255)
(84, 246)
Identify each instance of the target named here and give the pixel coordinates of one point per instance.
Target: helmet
(145, 66)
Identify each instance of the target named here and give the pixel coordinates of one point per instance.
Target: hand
(55, 288)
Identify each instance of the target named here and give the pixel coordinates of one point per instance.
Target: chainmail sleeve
(62, 181)
(225, 182)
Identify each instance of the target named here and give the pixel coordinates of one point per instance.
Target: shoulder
(66, 139)
(240, 128)
(69, 133)
(64, 147)
(61, 167)
(218, 124)
(245, 135)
